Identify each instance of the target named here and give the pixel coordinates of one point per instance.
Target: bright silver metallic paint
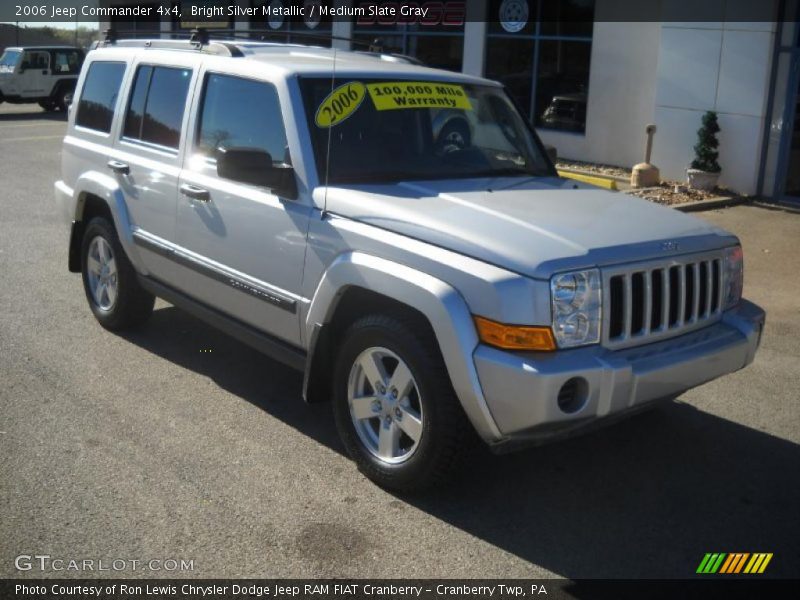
(449, 249)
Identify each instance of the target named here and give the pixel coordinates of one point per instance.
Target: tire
(117, 300)
(384, 445)
(62, 99)
(48, 105)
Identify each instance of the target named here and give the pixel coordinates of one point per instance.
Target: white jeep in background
(397, 233)
(40, 74)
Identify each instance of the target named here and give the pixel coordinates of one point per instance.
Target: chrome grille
(656, 300)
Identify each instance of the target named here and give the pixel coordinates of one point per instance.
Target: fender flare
(442, 305)
(107, 189)
(69, 84)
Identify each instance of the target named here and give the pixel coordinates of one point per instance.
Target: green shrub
(705, 151)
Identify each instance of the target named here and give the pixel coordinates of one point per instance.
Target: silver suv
(397, 233)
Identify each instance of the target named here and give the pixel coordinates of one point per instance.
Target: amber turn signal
(514, 337)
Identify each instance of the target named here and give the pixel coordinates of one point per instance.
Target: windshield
(386, 131)
(9, 60)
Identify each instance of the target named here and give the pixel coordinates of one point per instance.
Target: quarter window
(99, 95)
(157, 103)
(66, 62)
(241, 113)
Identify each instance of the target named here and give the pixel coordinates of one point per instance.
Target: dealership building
(591, 74)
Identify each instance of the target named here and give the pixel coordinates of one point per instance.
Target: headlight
(733, 276)
(577, 301)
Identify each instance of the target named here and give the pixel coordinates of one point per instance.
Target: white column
(166, 21)
(474, 48)
(242, 23)
(342, 28)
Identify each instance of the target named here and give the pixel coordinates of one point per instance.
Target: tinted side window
(228, 117)
(133, 118)
(157, 103)
(99, 95)
(66, 62)
(35, 59)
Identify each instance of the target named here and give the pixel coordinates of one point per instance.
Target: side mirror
(253, 166)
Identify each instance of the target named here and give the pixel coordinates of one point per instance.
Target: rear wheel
(109, 280)
(395, 408)
(63, 99)
(48, 105)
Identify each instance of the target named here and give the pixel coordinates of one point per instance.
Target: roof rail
(201, 39)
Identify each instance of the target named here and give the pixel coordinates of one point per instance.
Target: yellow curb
(602, 182)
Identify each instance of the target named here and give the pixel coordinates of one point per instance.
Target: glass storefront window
(562, 85)
(511, 62)
(292, 29)
(435, 41)
(541, 51)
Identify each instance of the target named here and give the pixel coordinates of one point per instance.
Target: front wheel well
(89, 207)
(353, 303)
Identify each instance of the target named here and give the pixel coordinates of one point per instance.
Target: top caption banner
(514, 16)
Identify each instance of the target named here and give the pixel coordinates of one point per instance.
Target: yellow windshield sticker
(392, 95)
(340, 104)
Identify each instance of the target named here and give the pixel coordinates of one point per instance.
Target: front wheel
(109, 280)
(395, 408)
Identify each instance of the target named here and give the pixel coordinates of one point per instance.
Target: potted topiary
(703, 173)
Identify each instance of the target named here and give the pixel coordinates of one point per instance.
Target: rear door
(245, 245)
(147, 155)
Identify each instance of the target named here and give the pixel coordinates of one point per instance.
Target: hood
(534, 227)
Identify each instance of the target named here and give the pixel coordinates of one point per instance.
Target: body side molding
(271, 346)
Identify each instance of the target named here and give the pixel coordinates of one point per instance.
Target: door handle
(195, 193)
(120, 168)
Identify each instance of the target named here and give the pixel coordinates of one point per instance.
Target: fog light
(573, 395)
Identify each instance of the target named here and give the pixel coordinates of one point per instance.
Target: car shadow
(647, 497)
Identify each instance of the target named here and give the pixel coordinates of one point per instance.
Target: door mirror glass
(255, 167)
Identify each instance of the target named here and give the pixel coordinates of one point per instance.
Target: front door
(34, 77)
(244, 245)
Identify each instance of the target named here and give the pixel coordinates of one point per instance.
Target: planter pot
(701, 180)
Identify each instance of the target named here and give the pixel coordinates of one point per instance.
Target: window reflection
(542, 53)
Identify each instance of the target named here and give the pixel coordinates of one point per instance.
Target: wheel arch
(63, 84)
(96, 195)
(356, 284)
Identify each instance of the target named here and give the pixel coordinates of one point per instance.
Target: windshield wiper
(505, 172)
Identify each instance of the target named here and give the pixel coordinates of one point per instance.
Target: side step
(271, 346)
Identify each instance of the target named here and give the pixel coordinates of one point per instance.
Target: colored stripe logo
(735, 562)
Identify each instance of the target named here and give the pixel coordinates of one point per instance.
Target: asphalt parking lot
(177, 442)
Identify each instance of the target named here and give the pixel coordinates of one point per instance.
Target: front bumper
(522, 390)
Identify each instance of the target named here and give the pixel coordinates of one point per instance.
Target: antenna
(328, 151)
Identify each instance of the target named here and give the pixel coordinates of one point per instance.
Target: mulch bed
(672, 192)
(596, 168)
(667, 192)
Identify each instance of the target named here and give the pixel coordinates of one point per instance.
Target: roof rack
(200, 39)
(195, 40)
